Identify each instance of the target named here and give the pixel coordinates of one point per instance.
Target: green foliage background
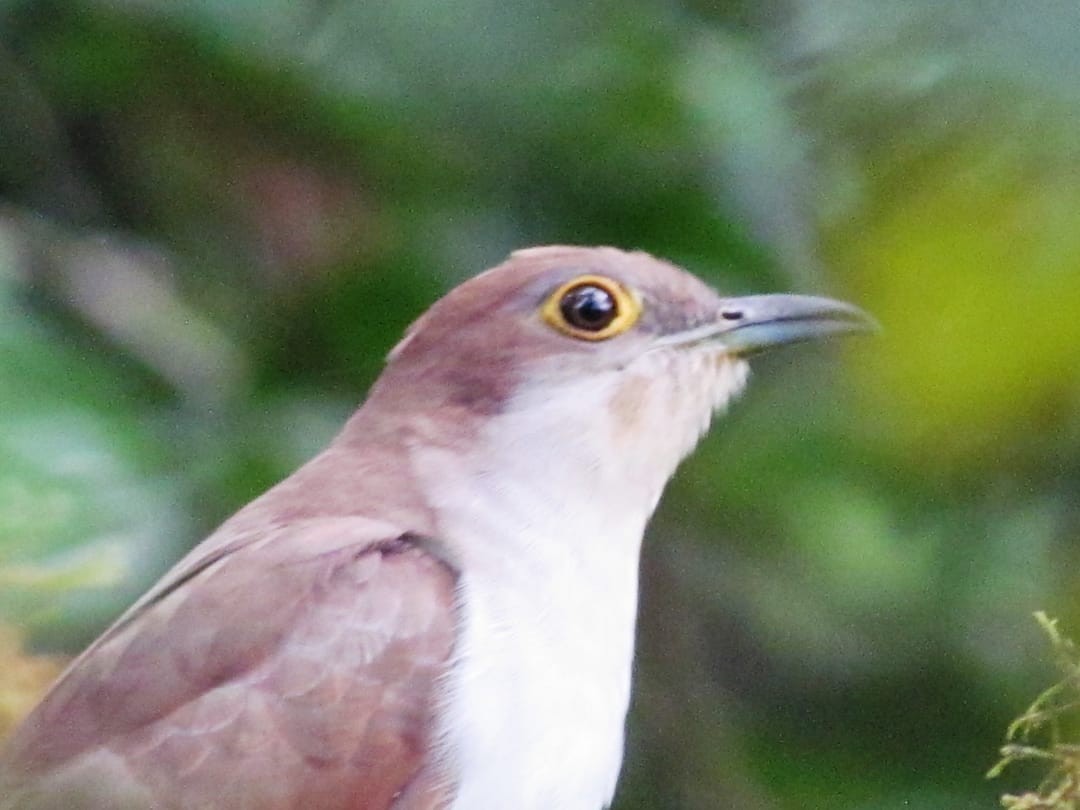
(216, 217)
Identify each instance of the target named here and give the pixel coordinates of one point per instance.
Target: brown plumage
(293, 668)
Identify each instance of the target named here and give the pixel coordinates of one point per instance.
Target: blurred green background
(217, 216)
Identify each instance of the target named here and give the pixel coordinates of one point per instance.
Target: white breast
(538, 696)
(536, 702)
(547, 523)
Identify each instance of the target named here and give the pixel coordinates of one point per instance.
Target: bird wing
(298, 668)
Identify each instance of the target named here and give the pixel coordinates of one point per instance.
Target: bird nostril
(731, 314)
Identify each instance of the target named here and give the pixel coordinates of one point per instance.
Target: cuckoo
(437, 612)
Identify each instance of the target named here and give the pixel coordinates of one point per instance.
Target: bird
(437, 612)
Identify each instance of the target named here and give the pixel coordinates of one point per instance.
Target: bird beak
(755, 323)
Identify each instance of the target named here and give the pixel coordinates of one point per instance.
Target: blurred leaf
(83, 520)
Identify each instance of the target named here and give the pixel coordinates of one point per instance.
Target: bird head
(591, 354)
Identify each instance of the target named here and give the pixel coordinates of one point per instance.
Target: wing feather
(296, 669)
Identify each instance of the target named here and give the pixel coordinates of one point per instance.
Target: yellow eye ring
(592, 307)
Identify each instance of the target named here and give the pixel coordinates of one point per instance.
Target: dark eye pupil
(588, 307)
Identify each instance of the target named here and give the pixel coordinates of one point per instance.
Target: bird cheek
(628, 404)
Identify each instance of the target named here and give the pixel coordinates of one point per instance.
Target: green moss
(1038, 735)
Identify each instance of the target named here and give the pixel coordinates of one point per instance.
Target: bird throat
(547, 517)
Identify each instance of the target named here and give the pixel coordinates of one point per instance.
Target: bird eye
(592, 308)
